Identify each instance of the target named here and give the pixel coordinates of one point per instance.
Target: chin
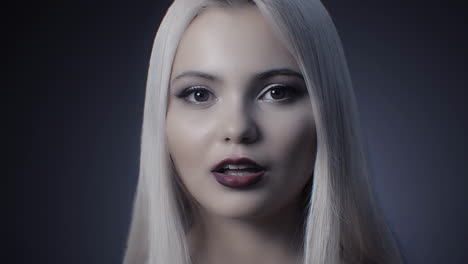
(229, 204)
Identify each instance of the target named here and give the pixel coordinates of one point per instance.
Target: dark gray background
(76, 76)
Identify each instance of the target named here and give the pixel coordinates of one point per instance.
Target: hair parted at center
(343, 223)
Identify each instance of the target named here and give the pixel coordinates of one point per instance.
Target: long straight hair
(343, 224)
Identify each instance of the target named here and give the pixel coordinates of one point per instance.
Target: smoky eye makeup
(278, 92)
(196, 94)
(186, 91)
(279, 89)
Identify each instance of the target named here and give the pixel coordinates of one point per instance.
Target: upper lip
(236, 161)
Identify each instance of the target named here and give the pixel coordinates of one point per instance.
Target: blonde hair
(343, 223)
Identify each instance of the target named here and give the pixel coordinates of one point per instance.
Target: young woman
(251, 148)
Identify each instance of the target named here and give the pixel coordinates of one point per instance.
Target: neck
(274, 239)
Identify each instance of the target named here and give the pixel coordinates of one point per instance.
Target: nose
(238, 125)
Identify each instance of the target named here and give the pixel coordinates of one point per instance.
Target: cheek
(290, 130)
(188, 138)
(180, 139)
(291, 140)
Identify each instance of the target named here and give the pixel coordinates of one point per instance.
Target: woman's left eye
(279, 92)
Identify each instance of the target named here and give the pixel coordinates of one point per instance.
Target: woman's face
(237, 92)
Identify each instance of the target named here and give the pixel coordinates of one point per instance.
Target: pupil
(277, 93)
(201, 96)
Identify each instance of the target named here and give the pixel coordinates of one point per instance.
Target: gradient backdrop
(75, 95)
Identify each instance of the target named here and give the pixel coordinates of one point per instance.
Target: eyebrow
(283, 71)
(258, 77)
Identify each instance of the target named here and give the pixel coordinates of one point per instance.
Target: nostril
(247, 140)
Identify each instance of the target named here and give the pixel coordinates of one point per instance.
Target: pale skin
(251, 102)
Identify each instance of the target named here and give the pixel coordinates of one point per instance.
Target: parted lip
(236, 161)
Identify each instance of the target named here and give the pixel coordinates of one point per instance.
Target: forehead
(231, 41)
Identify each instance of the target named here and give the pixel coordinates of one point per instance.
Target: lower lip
(233, 181)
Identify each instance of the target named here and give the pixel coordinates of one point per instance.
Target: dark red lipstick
(238, 172)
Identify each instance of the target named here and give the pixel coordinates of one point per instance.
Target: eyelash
(191, 90)
(293, 92)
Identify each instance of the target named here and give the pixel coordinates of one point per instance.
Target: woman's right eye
(196, 95)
